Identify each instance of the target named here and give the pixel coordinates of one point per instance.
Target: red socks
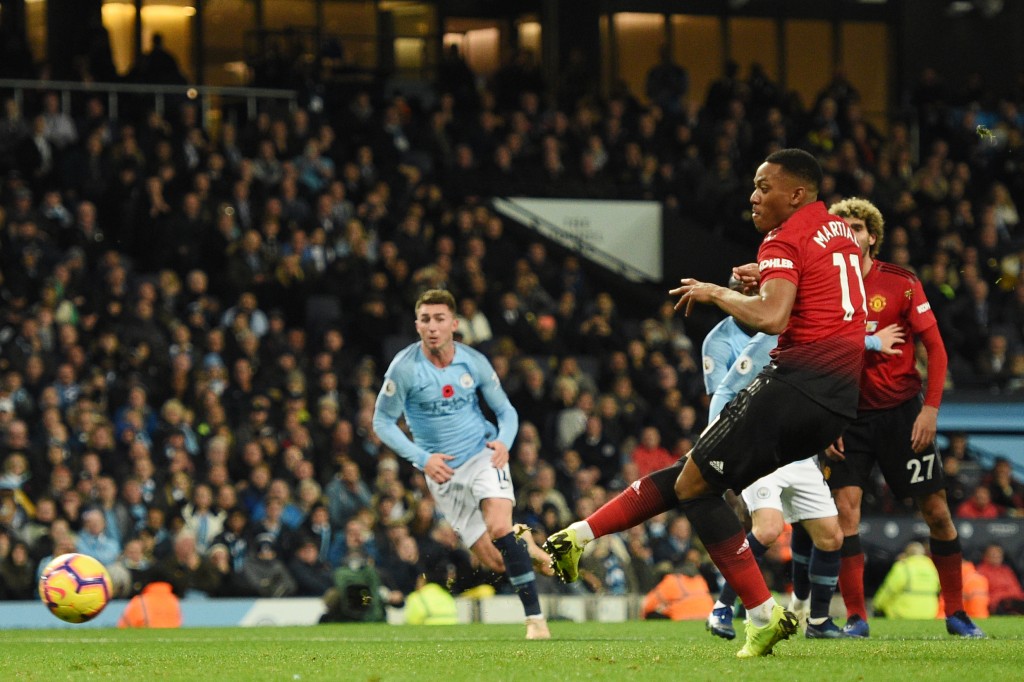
(950, 567)
(634, 505)
(851, 584)
(739, 568)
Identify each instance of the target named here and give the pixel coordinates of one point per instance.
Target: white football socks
(761, 614)
(583, 532)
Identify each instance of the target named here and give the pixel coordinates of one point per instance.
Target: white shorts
(459, 499)
(798, 490)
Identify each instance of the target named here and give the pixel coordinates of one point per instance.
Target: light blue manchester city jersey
(721, 347)
(751, 360)
(441, 406)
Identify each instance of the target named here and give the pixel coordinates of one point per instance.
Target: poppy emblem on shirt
(877, 303)
(447, 391)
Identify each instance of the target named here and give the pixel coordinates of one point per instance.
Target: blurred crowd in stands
(196, 316)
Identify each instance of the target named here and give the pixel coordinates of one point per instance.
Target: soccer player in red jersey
(894, 428)
(811, 294)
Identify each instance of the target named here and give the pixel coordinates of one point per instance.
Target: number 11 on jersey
(844, 284)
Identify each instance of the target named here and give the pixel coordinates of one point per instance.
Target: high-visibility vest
(156, 607)
(910, 590)
(430, 605)
(679, 597)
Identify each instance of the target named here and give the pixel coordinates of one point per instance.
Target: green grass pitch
(636, 650)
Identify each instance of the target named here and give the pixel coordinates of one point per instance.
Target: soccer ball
(75, 587)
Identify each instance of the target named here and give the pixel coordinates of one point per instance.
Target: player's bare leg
(488, 554)
(497, 513)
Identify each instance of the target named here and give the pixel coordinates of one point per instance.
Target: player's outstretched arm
(767, 312)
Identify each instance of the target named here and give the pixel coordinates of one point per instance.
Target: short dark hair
(799, 163)
(436, 297)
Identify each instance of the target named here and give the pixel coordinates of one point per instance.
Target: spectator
(598, 450)
(94, 541)
(979, 505)
(667, 83)
(186, 569)
(526, 465)
(158, 65)
(607, 568)
(131, 572)
(17, 573)
(346, 494)
(119, 523)
(312, 574)
(673, 547)
(649, 455)
(474, 327)
(1006, 492)
(230, 582)
(264, 573)
(355, 540)
(318, 526)
(202, 519)
(63, 542)
(272, 526)
(1006, 596)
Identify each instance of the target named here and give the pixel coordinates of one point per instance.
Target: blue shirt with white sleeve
(441, 406)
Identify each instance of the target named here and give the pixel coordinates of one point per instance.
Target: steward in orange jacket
(156, 607)
(679, 597)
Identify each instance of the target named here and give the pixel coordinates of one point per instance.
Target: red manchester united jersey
(821, 351)
(894, 295)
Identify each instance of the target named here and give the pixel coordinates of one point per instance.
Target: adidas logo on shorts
(717, 465)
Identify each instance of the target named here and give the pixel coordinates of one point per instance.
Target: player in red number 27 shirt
(811, 293)
(894, 428)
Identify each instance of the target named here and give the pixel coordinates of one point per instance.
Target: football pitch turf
(635, 650)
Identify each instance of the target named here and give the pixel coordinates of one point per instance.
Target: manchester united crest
(877, 303)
